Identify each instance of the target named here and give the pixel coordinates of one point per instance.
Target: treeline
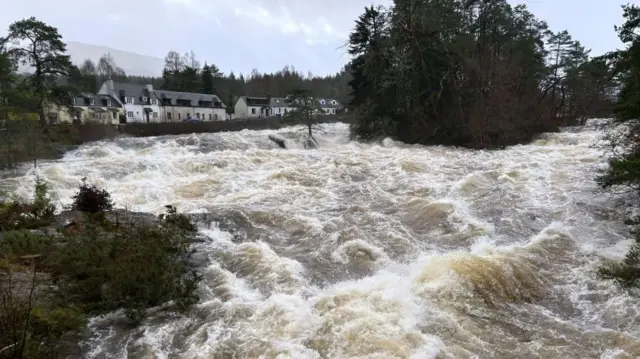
(473, 73)
(54, 77)
(623, 172)
(186, 73)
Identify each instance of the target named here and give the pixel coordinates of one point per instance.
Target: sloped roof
(191, 96)
(328, 103)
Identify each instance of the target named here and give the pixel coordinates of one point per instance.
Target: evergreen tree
(303, 102)
(207, 79)
(624, 167)
(40, 46)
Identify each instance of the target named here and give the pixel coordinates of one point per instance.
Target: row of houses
(130, 103)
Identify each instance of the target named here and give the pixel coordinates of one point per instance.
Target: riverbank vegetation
(624, 142)
(58, 270)
(479, 74)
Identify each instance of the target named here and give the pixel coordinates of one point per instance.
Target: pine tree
(624, 168)
(45, 51)
(207, 79)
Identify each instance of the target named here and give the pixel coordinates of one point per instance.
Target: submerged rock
(278, 140)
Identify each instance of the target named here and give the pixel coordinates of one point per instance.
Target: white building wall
(240, 109)
(133, 113)
(219, 114)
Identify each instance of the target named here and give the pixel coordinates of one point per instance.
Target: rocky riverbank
(57, 270)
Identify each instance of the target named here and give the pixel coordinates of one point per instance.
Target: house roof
(195, 98)
(279, 102)
(132, 90)
(328, 103)
(99, 101)
(256, 101)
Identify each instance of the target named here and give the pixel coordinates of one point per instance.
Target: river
(380, 250)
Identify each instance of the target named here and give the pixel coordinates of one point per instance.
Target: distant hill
(130, 62)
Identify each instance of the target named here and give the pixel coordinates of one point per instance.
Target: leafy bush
(178, 220)
(91, 199)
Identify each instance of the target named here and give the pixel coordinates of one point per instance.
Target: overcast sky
(240, 35)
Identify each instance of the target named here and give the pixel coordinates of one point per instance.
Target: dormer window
(322, 102)
(108, 102)
(144, 99)
(154, 101)
(129, 100)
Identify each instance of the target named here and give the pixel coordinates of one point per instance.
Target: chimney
(149, 88)
(109, 84)
(269, 99)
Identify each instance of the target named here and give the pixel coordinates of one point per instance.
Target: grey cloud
(236, 35)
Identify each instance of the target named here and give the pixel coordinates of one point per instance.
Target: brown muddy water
(379, 250)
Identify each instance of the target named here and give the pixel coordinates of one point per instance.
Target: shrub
(15, 215)
(627, 272)
(129, 267)
(23, 242)
(91, 199)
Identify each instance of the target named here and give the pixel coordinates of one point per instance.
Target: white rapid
(373, 250)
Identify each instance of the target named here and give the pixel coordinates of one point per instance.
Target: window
(198, 115)
(129, 100)
(253, 111)
(74, 100)
(144, 99)
(188, 115)
(216, 117)
(178, 115)
(168, 115)
(91, 101)
(130, 114)
(155, 115)
(154, 101)
(210, 117)
(108, 102)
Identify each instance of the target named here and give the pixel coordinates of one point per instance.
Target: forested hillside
(472, 73)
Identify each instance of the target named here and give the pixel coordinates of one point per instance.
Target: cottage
(87, 107)
(280, 107)
(253, 107)
(139, 101)
(179, 106)
(328, 106)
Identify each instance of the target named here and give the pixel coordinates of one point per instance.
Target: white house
(179, 106)
(328, 106)
(280, 107)
(139, 101)
(252, 107)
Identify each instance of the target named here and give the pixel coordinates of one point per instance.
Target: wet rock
(141, 351)
(278, 140)
(67, 219)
